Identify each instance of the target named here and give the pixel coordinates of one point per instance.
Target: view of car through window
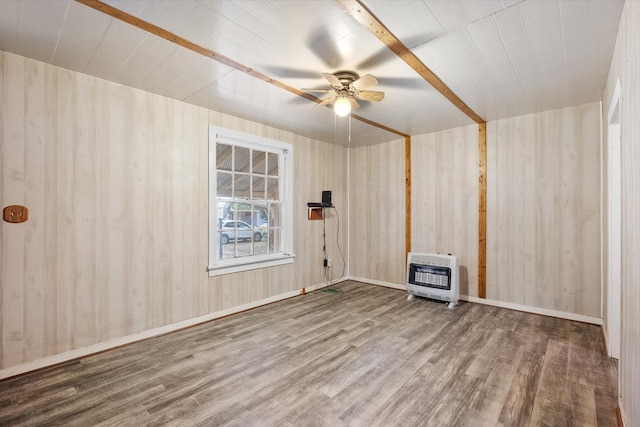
(239, 230)
(238, 237)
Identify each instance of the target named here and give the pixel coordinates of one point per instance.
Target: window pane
(242, 159)
(245, 229)
(273, 192)
(241, 186)
(243, 213)
(258, 187)
(259, 161)
(225, 211)
(225, 245)
(272, 164)
(274, 215)
(224, 156)
(235, 236)
(224, 188)
(275, 240)
(275, 231)
(260, 243)
(259, 223)
(260, 215)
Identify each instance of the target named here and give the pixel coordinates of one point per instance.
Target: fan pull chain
(349, 127)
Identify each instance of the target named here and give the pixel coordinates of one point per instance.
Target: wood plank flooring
(364, 356)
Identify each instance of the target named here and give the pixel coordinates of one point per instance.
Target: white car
(238, 230)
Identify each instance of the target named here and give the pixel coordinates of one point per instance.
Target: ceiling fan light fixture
(342, 106)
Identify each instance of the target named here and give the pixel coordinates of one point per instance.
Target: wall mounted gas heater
(433, 276)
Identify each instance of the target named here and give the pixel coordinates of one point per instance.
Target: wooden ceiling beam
(365, 17)
(180, 41)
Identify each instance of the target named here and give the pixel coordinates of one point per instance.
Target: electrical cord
(344, 264)
(328, 270)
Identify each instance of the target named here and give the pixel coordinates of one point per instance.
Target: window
(250, 202)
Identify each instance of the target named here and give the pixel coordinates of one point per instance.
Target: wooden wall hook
(15, 213)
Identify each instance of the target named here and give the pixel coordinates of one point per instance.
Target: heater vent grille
(433, 276)
(440, 260)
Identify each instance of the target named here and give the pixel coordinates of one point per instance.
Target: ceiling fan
(346, 88)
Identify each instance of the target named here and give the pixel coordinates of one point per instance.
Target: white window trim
(217, 267)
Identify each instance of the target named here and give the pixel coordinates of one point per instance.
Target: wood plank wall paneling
(377, 214)
(34, 178)
(3, 202)
(116, 180)
(112, 192)
(543, 210)
(13, 193)
(445, 198)
(625, 65)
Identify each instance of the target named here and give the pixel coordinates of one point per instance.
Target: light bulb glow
(342, 106)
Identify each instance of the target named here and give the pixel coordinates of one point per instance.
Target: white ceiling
(503, 58)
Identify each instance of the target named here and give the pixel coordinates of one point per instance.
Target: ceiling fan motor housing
(346, 77)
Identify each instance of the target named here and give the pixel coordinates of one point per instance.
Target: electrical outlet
(328, 263)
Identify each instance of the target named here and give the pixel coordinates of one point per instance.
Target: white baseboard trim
(129, 339)
(496, 303)
(534, 310)
(402, 287)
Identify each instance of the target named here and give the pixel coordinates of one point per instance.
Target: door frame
(614, 229)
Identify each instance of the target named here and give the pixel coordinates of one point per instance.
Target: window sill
(251, 264)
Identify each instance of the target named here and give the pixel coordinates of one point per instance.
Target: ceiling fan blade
(385, 54)
(317, 90)
(354, 103)
(365, 82)
(333, 80)
(401, 82)
(326, 101)
(370, 95)
(322, 44)
(291, 73)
